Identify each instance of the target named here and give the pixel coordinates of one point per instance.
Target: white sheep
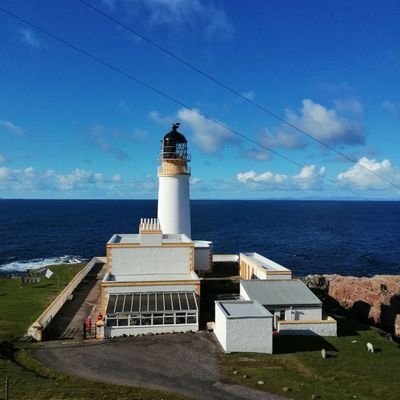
(323, 353)
(370, 347)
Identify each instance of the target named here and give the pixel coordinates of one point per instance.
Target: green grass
(20, 305)
(349, 372)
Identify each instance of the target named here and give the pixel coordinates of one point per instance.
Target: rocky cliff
(375, 300)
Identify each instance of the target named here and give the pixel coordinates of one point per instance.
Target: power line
(171, 98)
(233, 91)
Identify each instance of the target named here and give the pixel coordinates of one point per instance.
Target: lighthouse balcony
(173, 169)
(167, 155)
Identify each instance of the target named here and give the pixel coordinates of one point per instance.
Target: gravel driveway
(182, 363)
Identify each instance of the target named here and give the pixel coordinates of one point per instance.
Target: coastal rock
(375, 300)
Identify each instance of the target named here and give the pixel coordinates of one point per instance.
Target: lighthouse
(173, 181)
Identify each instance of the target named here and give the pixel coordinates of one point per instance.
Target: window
(282, 315)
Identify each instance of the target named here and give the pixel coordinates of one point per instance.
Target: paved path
(182, 363)
(68, 323)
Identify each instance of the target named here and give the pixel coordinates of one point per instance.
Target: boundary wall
(36, 329)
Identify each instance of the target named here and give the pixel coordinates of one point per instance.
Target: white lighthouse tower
(173, 180)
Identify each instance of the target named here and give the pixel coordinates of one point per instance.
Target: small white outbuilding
(243, 326)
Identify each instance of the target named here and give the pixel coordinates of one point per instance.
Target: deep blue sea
(350, 238)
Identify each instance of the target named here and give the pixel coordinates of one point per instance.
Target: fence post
(6, 389)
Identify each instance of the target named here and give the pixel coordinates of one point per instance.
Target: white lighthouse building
(173, 192)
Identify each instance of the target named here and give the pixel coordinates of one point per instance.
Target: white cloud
(97, 132)
(29, 37)
(78, 183)
(156, 117)
(265, 177)
(257, 154)
(309, 177)
(29, 172)
(351, 106)
(359, 175)
(249, 95)
(4, 174)
(327, 125)
(116, 178)
(282, 139)
(11, 127)
(390, 107)
(210, 137)
(194, 15)
(195, 181)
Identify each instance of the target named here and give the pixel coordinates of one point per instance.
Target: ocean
(349, 238)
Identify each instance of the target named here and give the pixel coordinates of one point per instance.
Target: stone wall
(375, 300)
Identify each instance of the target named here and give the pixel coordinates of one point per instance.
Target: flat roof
(225, 258)
(191, 276)
(280, 292)
(243, 309)
(264, 262)
(134, 238)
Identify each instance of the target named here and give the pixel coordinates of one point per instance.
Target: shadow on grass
(296, 344)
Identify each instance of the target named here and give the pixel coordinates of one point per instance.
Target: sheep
(323, 353)
(370, 347)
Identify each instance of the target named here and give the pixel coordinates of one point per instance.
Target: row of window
(151, 319)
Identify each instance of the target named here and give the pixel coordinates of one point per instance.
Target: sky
(72, 127)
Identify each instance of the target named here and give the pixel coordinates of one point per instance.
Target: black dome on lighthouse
(174, 137)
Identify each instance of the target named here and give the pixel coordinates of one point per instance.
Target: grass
(297, 370)
(20, 305)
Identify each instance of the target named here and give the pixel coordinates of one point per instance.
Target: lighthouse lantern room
(173, 176)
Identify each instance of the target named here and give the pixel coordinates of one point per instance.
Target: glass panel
(146, 319)
(168, 302)
(184, 303)
(157, 319)
(120, 303)
(111, 304)
(128, 303)
(136, 302)
(175, 301)
(135, 320)
(181, 318)
(191, 319)
(169, 319)
(143, 305)
(152, 302)
(160, 302)
(123, 321)
(111, 321)
(192, 302)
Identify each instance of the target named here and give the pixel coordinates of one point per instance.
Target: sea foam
(22, 265)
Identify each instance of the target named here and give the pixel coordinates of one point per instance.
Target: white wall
(304, 313)
(220, 326)
(115, 331)
(243, 334)
(249, 335)
(174, 204)
(203, 258)
(153, 260)
(328, 328)
(144, 289)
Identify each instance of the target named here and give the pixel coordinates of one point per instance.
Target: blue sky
(73, 128)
